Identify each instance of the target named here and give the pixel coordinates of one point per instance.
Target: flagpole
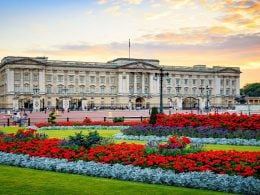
(129, 49)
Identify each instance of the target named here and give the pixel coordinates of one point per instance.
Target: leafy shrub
(106, 141)
(24, 135)
(52, 118)
(80, 140)
(118, 119)
(153, 116)
(87, 120)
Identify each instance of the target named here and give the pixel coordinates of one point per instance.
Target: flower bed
(201, 180)
(226, 120)
(229, 162)
(92, 123)
(223, 141)
(87, 127)
(199, 132)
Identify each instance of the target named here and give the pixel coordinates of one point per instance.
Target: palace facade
(37, 83)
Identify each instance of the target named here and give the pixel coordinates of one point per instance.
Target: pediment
(229, 70)
(26, 61)
(139, 65)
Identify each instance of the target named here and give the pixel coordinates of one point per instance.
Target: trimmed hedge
(201, 180)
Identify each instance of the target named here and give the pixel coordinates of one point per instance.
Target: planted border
(87, 127)
(200, 180)
(221, 141)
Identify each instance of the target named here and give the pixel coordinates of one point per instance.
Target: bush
(87, 120)
(80, 140)
(52, 118)
(153, 116)
(118, 119)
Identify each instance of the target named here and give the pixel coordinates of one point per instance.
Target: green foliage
(118, 119)
(52, 118)
(85, 141)
(252, 90)
(153, 116)
(106, 141)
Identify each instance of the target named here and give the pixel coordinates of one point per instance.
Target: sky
(177, 32)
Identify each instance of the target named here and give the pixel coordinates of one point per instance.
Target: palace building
(37, 83)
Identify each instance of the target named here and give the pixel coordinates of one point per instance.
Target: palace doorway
(139, 103)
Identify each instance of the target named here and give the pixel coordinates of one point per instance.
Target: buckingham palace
(36, 83)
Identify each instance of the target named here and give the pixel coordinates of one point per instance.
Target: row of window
(82, 79)
(233, 82)
(26, 76)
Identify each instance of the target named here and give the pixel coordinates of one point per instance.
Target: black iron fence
(32, 121)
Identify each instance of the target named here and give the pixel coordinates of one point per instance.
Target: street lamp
(207, 101)
(161, 75)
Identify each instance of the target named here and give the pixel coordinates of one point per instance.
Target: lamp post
(207, 100)
(161, 75)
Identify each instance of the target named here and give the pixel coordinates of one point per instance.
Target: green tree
(153, 116)
(52, 118)
(252, 90)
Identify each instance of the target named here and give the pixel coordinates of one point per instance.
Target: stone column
(143, 83)
(84, 104)
(179, 103)
(65, 103)
(135, 83)
(120, 83)
(151, 90)
(42, 81)
(10, 80)
(15, 104)
(36, 103)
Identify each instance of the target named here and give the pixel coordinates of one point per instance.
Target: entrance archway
(28, 104)
(190, 103)
(139, 103)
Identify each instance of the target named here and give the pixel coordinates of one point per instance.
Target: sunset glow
(177, 32)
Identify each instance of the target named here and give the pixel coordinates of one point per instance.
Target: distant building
(37, 83)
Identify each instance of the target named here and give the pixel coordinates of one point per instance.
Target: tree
(52, 118)
(252, 90)
(153, 116)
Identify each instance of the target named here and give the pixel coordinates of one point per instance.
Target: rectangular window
(202, 81)
(222, 82)
(194, 81)
(81, 89)
(81, 79)
(92, 79)
(210, 82)
(102, 80)
(16, 88)
(60, 78)
(49, 78)
(169, 90)
(227, 82)
(112, 89)
(227, 91)
(186, 81)
(168, 81)
(233, 82)
(27, 88)
(177, 81)
(26, 76)
(221, 92)
(60, 90)
(48, 89)
(17, 76)
(233, 92)
(113, 80)
(35, 77)
(71, 78)
(102, 90)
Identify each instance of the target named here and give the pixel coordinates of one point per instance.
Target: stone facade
(27, 82)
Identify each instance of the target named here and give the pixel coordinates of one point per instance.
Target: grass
(16, 180)
(108, 133)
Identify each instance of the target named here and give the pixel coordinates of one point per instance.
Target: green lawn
(15, 180)
(109, 133)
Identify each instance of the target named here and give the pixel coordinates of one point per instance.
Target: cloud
(134, 2)
(101, 1)
(114, 10)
